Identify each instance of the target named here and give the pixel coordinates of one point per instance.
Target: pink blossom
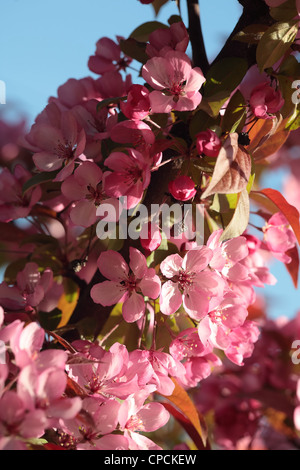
(135, 416)
(57, 147)
(126, 285)
(75, 92)
(14, 204)
(217, 325)
(137, 133)
(112, 84)
(227, 256)
(198, 368)
(182, 188)
(176, 84)
(85, 187)
(31, 290)
(208, 143)
(189, 283)
(163, 40)
(241, 342)
(150, 237)
(130, 176)
(265, 101)
(137, 106)
(279, 237)
(108, 57)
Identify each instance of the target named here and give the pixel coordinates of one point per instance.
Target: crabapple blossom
(190, 283)
(14, 204)
(279, 237)
(182, 188)
(85, 187)
(227, 256)
(208, 143)
(150, 237)
(137, 106)
(130, 176)
(126, 284)
(163, 40)
(57, 146)
(176, 84)
(265, 101)
(108, 57)
(32, 289)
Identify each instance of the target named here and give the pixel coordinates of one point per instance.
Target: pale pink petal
(171, 266)
(153, 416)
(150, 285)
(84, 213)
(197, 260)
(170, 298)
(196, 304)
(133, 307)
(138, 263)
(161, 103)
(47, 161)
(113, 266)
(107, 293)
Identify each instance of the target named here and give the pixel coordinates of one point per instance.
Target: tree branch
(196, 36)
(255, 12)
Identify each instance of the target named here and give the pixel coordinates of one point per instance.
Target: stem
(196, 36)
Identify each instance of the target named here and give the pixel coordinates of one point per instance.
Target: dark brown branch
(196, 36)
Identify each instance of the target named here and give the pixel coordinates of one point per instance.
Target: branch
(196, 36)
(255, 12)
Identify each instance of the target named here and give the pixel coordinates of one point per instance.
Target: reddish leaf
(183, 402)
(187, 426)
(232, 170)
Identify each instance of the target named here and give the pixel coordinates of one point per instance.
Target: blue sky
(44, 43)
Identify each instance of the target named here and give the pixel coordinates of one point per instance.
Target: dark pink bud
(150, 237)
(208, 142)
(137, 106)
(182, 188)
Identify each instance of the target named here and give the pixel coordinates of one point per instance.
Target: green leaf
(275, 43)
(235, 115)
(134, 49)
(38, 179)
(285, 12)
(251, 34)
(50, 320)
(201, 121)
(240, 219)
(142, 32)
(221, 80)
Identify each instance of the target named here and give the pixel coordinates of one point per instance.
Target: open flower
(265, 101)
(176, 84)
(126, 285)
(279, 237)
(189, 283)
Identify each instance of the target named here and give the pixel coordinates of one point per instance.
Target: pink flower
(241, 342)
(137, 133)
(150, 237)
(126, 285)
(189, 283)
(182, 188)
(130, 176)
(14, 204)
(175, 82)
(163, 40)
(227, 256)
(30, 290)
(208, 143)
(135, 416)
(111, 84)
(85, 187)
(215, 327)
(57, 148)
(108, 57)
(75, 92)
(137, 106)
(279, 237)
(265, 101)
